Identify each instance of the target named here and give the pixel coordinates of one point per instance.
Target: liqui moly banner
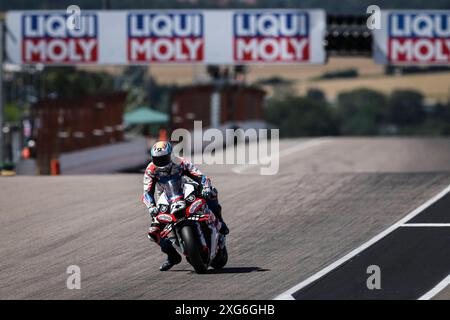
(156, 37)
(45, 38)
(413, 37)
(272, 37)
(167, 36)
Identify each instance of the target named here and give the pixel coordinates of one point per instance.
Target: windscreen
(173, 189)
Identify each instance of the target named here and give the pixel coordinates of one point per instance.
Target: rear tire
(221, 260)
(193, 249)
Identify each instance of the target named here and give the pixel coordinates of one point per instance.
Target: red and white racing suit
(180, 167)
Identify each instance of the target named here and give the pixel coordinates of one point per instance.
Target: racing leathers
(179, 167)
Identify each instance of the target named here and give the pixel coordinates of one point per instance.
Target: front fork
(216, 239)
(175, 237)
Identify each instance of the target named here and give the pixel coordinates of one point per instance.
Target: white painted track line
(424, 225)
(287, 295)
(440, 286)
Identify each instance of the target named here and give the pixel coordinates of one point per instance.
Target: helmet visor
(161, 161)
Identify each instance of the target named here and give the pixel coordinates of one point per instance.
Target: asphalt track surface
(411, 260)
(327, 199)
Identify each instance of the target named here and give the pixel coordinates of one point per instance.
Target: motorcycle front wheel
(221, 259)
(193, 248)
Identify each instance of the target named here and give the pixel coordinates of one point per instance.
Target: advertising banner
(45, 38)
(156, 37)
(166, 36)
(413, 37)
(285, 36)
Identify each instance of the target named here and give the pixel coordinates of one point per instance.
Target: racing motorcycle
(190, 225)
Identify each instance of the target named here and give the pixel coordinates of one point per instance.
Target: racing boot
(216, 208)
(173, 257)
(224, 229)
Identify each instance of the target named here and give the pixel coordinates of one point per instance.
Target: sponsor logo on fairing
(196, 206)
(160, 37)
(46, 39)
(165, 218)
(269, 37)
(419, 37)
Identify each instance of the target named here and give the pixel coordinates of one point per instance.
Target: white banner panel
(163, 36)
(278, 36)
(413, 37)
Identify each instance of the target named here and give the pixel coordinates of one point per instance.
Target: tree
(12, 112)
(406, 107)
(70, 82)
(316, 94)
(438, 120)
(361, 111)
(299, 116)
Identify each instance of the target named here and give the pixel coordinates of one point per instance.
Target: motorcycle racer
(163, 168)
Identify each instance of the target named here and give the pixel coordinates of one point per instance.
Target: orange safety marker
(26, 153)
(54, 167)
(162, 134)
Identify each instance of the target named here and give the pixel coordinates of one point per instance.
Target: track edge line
(437, 289)
(362, 247)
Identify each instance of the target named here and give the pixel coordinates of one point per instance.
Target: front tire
(221, 260)
(193, 249)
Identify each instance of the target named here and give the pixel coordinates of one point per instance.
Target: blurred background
(101, 119)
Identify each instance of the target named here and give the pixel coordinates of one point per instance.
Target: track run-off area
(336, 206)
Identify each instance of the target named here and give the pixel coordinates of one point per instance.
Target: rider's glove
(153, 211)
(206, 192)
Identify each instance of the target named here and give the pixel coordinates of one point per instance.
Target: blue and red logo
(419, 37)
(47, 39)
(270, 37)
(160, 37)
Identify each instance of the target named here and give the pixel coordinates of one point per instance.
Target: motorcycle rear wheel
(193, 249)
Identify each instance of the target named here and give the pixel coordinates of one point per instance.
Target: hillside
(435, 86)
